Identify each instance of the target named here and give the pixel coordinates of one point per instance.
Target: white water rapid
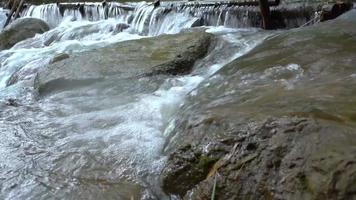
(105, 140)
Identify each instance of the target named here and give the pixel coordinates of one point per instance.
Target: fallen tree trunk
(19, 8)
(13, 9)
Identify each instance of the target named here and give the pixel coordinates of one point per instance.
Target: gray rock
(120, 27)
(277, 123)
(27, 73)
(350, 15)
(329, 12)
(21, 29)
(59, 57)
(167, 54)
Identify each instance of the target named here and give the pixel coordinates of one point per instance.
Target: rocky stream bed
(103, 109)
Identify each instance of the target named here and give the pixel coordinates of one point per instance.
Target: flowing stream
(105, 140)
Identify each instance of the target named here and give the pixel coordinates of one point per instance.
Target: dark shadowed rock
(12, 102)
(21, 29)
(120, 27)
(329, 12)
(277, 123)
(156, 3)
(167, 54)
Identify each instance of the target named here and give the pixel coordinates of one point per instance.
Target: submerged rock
(120, 27)
(21, 29)
(167, 54)
(277, 123)
(12, 102)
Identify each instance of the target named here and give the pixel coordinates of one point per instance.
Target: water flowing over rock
(168, 54)
(55, 13)
(117, 99)
(150, 20)
(21, 29)
(99, 133)
(277, 123)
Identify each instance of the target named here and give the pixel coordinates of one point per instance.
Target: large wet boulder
(21, 29)
(277, 123)
(167, 54)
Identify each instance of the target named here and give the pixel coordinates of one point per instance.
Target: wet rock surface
(21, 29)
(329, 12)
(88, 132)
(167, 55)
(277, 123)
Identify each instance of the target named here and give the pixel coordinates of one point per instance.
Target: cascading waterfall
(168, 17)
(143, 17)
(55, 13)
(49, 13)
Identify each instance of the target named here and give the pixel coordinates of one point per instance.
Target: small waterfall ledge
(150, 20)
